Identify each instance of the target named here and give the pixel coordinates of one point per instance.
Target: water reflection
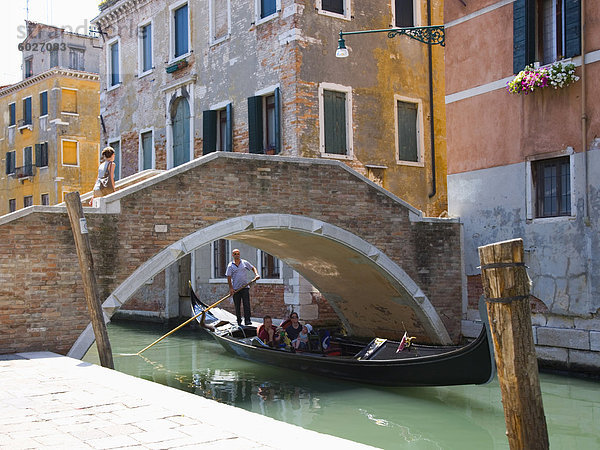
(461, 417)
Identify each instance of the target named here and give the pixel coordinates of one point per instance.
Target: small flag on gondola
(402, 343)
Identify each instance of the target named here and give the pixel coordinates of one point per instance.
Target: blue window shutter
(255, 125)
(8, 162)
(27, 110)
(267, 7)
(147, 48)
(181, 31)
(572, 27)
(277, 120)
(44, 103)
(38, 155)
(229, 130)
(12, 114)
(209, 131)
(523, 34)
(114, 64)
(27, 157)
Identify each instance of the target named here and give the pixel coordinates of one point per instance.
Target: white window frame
(220, 108)
(211, 24)
(42, 198)
(65, 112)
(47, 102)
(420, 131)
(141, 72)
(349, 131)
(141, 149)
(213, 278)
(416, 13)
(279, 280)
(258, 20)
(347, 10)
(530, 195)
(62, 156)
(25, 61)
(116, 40)
(172, 9)
(264, 93)
(110, 144)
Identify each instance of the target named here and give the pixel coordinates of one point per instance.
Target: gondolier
(238, 277)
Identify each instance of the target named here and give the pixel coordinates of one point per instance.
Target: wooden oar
(189, 320)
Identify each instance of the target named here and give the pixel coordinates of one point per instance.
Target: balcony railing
(25, 171)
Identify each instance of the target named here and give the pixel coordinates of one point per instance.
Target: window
(403, 13)
(267, 8)
(145, 48)
(12, 113)
(334, 8)
(12, 205)
(116, 145)
(147, 151)
(11, 162)
(220, 257)
(552, 184)
(45, 199)
(27, 201)
(43, 103)
(41, 154)
(270, 266)
(545, 31)
(335, 120)
(69, 101)
(29, 67)
(113, 64)
(27, 120)
(76, 58)
(181, 126)
(217, 130)
(53, 58)
(180, 38)
(219, 19)
(264, 122)
(408, 130)
(70, 150)
(27, 169)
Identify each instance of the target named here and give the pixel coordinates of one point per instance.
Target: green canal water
(459, 417)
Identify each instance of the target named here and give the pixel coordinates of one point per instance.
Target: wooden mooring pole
(90, 288)
(506, 290)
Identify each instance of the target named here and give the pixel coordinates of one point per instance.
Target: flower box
(531, 78)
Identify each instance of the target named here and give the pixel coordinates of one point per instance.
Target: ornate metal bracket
(433, 35)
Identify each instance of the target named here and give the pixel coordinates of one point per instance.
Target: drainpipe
(584, 143)
(431, 122)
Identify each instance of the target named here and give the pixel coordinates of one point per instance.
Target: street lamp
(430, 35)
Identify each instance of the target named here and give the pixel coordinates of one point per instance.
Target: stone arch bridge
(380, 264)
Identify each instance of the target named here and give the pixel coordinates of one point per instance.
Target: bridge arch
(337, 262)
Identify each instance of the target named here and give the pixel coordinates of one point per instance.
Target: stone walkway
(52, 401)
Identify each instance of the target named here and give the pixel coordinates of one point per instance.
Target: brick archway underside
(371, 294)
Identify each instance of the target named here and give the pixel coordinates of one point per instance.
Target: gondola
(378, 362)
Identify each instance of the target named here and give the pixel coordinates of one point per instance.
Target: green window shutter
(523, 34)
(277, 120)
(334, 105)
(229, 128)
(572, 28)
(408, 149)
(38, 155)
(8, 163)
(255, 125)
(209, 127)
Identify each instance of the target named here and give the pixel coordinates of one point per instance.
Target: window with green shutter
(545, 31)
(147, 150)
(43, 103)
(27, 118)
(181, 30)
(10, 162)
(334, 121)
(264, 123)
(41, 154)
(408, 131)
(12, 113)
(209, 132)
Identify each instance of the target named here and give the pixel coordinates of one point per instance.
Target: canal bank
(48, 400)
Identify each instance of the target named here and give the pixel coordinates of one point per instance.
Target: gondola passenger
(301, 342)
(294, 329)
(268, 333)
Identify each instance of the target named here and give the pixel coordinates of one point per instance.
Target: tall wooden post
(86, 264)
(506, 289)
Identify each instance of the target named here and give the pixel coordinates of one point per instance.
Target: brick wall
(41, 297)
